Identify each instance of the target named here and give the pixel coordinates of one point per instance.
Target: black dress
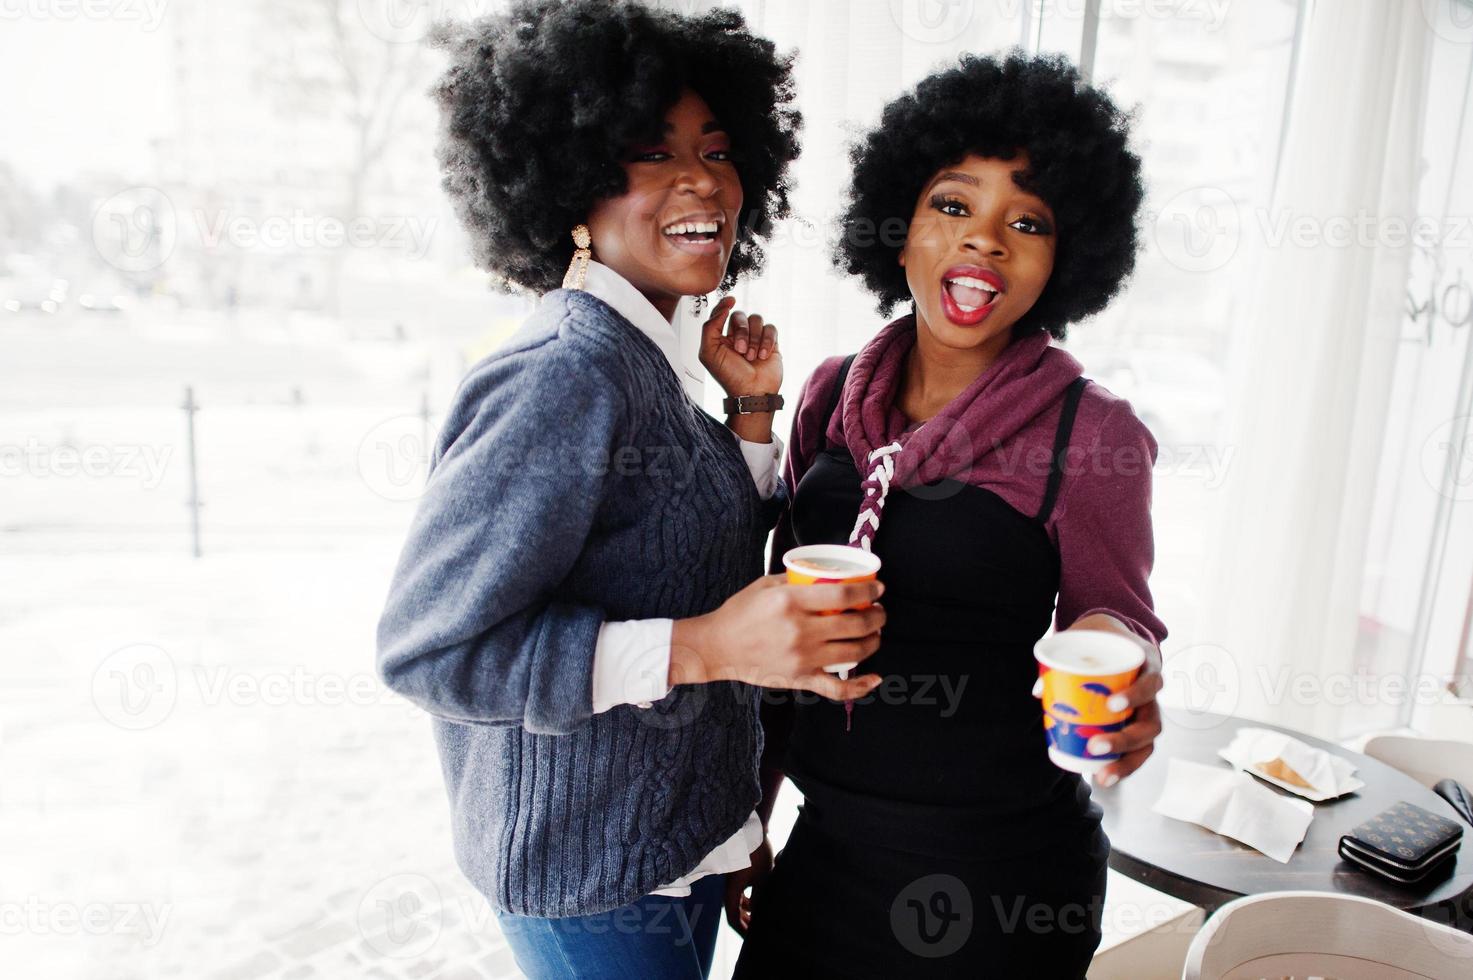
(936, 839)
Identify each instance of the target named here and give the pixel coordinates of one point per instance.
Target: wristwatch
(752, 404)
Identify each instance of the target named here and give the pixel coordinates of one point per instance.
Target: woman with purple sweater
(1001, 489)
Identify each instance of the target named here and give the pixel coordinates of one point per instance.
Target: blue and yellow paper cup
(1078, 671)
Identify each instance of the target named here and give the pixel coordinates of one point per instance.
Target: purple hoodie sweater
(1101, 521)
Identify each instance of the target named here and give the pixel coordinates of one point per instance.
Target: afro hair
(1079, 163)
(539, 106)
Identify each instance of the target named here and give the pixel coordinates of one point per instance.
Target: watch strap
(752, 404)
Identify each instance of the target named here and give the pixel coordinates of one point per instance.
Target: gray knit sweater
(575, 482)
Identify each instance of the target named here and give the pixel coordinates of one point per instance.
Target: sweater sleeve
(477, 627)
(1103, 527)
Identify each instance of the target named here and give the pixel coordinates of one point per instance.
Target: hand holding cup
(832, 564)
(778, 634)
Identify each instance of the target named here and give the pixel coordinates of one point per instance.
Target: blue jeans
(657, 937)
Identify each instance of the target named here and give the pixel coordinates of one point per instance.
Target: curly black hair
(1079, 163)
(539, 106)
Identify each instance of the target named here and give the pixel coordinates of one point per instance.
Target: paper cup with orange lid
(832, 564)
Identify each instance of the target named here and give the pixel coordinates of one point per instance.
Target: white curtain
(1312, 374)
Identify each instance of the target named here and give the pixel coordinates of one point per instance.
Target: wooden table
(1207, 869)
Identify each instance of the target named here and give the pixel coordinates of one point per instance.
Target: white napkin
(1329, 775)
(1231, 803)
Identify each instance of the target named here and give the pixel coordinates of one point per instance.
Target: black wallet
(1403, 843)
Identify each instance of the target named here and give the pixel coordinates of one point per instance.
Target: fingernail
(741, 346)
(1116, 703)
(1109, 779)
(1098, 746)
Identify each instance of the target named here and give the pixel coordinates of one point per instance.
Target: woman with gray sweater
(580, 602)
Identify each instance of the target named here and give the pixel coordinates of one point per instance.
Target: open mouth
(694, 232)
(969, 294)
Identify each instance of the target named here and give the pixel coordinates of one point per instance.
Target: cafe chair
(1427, 760)
(1145, 932)
(1324, 934)
(1445, 766)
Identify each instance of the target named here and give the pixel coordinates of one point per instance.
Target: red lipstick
(969, 293)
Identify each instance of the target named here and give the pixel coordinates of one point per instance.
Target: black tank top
(952, 743)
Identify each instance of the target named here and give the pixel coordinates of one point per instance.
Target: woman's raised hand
(773, 634)
(740, 351)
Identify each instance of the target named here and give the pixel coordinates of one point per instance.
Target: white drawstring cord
(882, 470)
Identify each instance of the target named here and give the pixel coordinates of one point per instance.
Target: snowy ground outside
(203, 778)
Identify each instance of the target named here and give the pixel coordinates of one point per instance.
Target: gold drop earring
(578, 268)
